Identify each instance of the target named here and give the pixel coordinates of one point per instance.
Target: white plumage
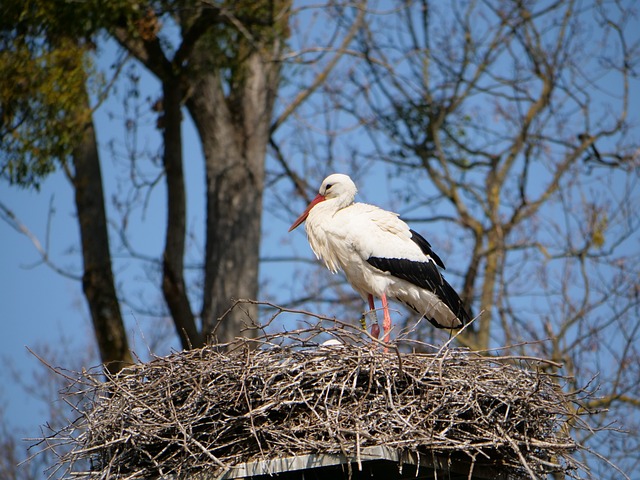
(379, 254)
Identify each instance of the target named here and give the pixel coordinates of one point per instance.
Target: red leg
(386, 322)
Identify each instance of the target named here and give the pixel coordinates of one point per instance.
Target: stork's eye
(328, 187)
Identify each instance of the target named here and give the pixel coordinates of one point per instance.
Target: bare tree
(505, 128)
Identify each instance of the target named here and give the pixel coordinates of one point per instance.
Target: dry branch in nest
(210, 409)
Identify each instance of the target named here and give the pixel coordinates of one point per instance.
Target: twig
(285, 395)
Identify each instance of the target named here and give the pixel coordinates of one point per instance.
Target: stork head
(337, 187)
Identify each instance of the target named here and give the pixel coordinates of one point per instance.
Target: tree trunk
(235, 131)
(173, 284)
(494, 249)
(97, 281)
(487, 295)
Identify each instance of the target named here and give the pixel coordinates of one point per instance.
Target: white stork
(379, 254)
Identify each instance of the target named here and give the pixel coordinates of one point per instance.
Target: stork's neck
(330, 206)
(339, 202)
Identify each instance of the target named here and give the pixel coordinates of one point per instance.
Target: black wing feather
(424, 275)
(425, 246)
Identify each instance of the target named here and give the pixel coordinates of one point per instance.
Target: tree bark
(97, 281)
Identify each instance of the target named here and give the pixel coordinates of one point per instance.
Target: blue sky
(38, 306)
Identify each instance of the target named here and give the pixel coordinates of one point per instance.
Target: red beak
(319, 198)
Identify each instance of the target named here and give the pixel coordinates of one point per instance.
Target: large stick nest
(209, 409)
